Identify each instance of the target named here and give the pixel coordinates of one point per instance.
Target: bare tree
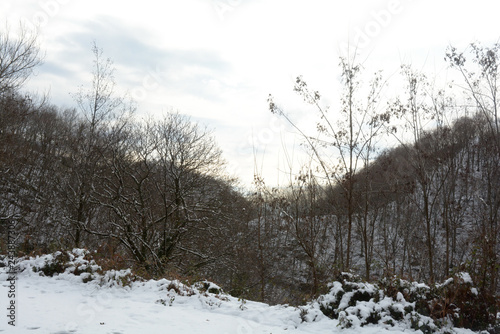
(161, 192)
(19, 56)
(350, 140)
(103, 117)
(480, 82)
(188, 157)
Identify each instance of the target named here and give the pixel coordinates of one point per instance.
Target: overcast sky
(218, 60)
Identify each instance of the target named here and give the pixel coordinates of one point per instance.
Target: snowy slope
(64, 304)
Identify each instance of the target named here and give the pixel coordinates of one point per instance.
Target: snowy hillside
(80, 299)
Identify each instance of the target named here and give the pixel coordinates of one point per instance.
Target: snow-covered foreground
(64, 304)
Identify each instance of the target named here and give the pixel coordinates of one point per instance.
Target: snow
(61, 305)
(113, 303)
(400, 297)
(465, 277)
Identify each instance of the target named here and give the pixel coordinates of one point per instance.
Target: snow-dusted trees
(187, 154)
(19, 136)
(294, 239)
(481, 82)
(31, 147)
(159, 190)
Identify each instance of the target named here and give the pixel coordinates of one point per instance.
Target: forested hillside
(423, 208)
(153, 194)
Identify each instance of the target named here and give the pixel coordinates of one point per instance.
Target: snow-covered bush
(455, 301)
(77, 262)
(208, 287)
(396, 302)
(209, 294)
(122, 278)
(356, 304)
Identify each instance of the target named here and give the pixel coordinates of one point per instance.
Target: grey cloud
(126, 46)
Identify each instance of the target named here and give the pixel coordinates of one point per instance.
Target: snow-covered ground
(64, 304)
